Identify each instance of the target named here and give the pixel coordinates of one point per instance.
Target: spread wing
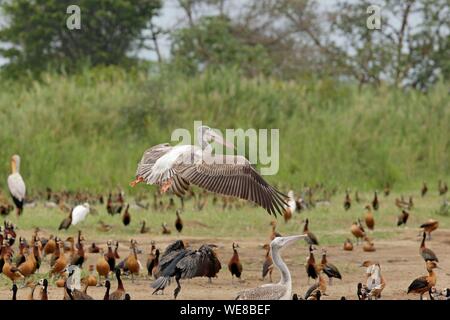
(200, 263)
(232, 176)
(149, 158)
(16, 186)
(267, 292)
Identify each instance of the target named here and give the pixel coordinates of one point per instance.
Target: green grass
(88, 131)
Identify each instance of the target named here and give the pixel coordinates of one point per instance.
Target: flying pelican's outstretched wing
(231, 176)
(149, 158)
(266, 292)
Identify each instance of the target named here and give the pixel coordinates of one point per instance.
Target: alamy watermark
(73, 22)
(259, 146)
(373, 22)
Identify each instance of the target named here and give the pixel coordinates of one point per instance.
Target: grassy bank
(88, 131)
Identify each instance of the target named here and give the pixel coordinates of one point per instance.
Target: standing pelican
(16, 184)
(283, 289)
(231, 175)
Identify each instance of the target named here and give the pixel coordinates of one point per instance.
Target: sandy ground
(399, 258)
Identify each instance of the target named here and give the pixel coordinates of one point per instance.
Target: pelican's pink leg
(166, 185)
(136, 181)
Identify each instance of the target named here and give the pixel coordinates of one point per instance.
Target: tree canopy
(39, 38)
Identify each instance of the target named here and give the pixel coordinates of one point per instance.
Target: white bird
(231, 175)
(292, 204)
(283, 289)
(79, 213)
(16, 184)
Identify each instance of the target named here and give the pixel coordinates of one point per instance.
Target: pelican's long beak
(217, 138)
(13, 165)
(291, 239)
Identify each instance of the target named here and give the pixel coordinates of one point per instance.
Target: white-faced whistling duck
(126, 218)
(79, 256)
(268, 264)
(116, 250)
(178, 221)
(347, 201)
(368, 245)
(191, 263)
(56, 253)
(94, 248)
(235, 265)
(103, 268)
(442, 187)
(424, 189)
(426, 253)
(375, 202)
(20, 258)
(132, 263)
(310, 238)
(16, 184)
(50, 246)
(67, 222)
(361, 291)
(348, 245)
(14, 291)
(387, 190)
(403, 218)
(43, 292)
(329, 269)
(110, 257)
(318, 289)
(423, 284)
(11, 271)
(144, 229)
(311, 268)
(445, 293)
(37, 256)
(108, 287)
(274, 233)
(72, 293)
(60, 263)
(430, 226)
(151, 259)
(29, 266)
(103, 227)
(119, 293)
(358, 231)
(290, 208)
(369, 219)
(165, 229)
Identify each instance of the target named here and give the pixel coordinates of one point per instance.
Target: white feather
(79, 213)
(16, 186)
(162, 169)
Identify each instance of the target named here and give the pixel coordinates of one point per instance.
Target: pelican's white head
(15, 163)
(281, 242)
(86, 205)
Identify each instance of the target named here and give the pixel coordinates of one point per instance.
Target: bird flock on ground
(64, 258)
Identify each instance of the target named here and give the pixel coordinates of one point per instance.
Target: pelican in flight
(16, 184)
(283, 289)
(176, 167)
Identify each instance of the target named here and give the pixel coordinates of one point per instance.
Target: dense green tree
(213, 42)
(38, 37)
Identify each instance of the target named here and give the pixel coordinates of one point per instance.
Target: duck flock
(62, 262)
